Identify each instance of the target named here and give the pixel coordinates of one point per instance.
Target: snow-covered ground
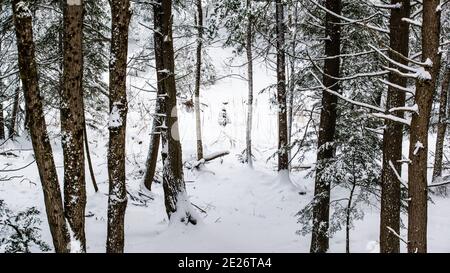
(243, 210)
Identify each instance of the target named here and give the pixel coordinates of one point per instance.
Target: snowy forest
(224, 126)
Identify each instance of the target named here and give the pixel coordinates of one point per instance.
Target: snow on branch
(358, 22)
(414, 108)
(396, 234)
(351, 77)
(387, 6)
(393, 118)
(399, 87)
(412, 22)
(365, 105)
(399, 177)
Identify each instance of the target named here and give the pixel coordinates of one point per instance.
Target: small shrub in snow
(20, 231)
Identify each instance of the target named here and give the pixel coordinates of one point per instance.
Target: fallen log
(198, 163)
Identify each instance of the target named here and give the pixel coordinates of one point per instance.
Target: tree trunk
(293, 21)
(248, 47)
(2, 119)
(320, 240)
(418, 149)
(72, 121)
(88, 157)
(198, 71)
(2, 97)
(283, 160)
(152, 157)
(178, 207)
(117, 201)
(393, 134)
(442, 128)
(38, 129)
(12, 123)
(348, 216)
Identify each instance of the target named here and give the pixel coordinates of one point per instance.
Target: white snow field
(243, 210)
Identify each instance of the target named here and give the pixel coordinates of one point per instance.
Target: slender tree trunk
(293, 21)
(118, 106)
(283, 160)
(418, 149)
(328, 115)
(38, 129)
(178, 207)
(152, 157)
(88, 157)
(72, 121)
(442, 128)
(198, 76)
(393, 134)
(2, 97)
(248, 47)
(12, 122)
(2, 119)
(348, 216)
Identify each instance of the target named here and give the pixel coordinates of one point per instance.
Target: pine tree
(118, 106)
(327, 127)
(177, 204)
(198, 72)
(38, 130)
(418, 148)
(442, 128)
(283, 159)
(72, 120)
(393, 132)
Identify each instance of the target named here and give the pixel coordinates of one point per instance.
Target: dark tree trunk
(2, 119)
(152, 157)
(88, 157)
(283, 156)
(248, 48)
(198, 76)
(38, 129)
(442, 129)
(2, 98)
(117, 202)
(418, 149)
(348, 216)
(176, 199)
(393, 134)
(12, 122)
(319, 240)
(72, 121)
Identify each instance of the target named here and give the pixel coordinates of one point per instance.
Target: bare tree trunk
(328, 115)
(38, 129)
(12, 123)
(198, 76)
(178, 207)
(348, 216)
(88, 157)
(283, 160)
(118, 106)
(442, 129)
(393, 134)
(2, 97)
(152, 157)
(293, 21)
(72, 121)
(418, 149)
(2, 119)
(248, 47)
